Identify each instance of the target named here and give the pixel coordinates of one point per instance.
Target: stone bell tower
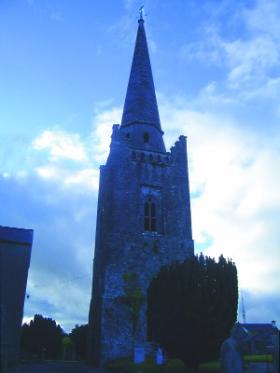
(143, 217)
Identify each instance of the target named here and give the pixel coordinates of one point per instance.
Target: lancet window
(150, 216)
(146, 137)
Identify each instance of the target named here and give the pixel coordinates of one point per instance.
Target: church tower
(143, 217)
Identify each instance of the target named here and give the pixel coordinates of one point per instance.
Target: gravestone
(139, 355)
(159, 357)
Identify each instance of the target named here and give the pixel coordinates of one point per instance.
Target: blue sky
(63, 77)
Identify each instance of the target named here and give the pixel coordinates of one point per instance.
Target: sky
(64, 70)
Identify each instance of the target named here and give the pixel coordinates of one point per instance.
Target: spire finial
(141, 13)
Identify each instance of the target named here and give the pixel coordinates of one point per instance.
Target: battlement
(141, 155)
(179, 145)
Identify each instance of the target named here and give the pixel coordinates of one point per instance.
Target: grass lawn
(214, 366)
(149, 366)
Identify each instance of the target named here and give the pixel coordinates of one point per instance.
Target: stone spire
(140, 103)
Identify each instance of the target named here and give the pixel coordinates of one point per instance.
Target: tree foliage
(41, 336)
(192, 307)
(79, 337)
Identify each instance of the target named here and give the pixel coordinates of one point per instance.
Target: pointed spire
(140, 102)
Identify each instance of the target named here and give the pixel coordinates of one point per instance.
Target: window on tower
(150, 219)
(146, 137)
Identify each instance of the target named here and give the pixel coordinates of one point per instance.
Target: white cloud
(235, 176)
(87, 177)
(61, 165)
(250, 58)
(102, 123)
(69, 177)
(264, 18)
(47, 172)
(63, 219)
(61, 145)
(205, 49)
(66, 297)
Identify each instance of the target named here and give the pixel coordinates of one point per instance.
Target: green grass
(211, 366)
(127, 366)
(174, 365)
(258, 358)
(214, 366)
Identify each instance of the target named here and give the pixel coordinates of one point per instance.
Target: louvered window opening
(150, 221)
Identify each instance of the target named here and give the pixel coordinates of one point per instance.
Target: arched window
(150, 219)
(146, 137)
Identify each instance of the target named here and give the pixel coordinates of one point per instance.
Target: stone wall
(124, 249)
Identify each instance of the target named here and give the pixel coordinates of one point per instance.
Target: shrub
(190, 311)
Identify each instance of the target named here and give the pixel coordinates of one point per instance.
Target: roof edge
(16, 235)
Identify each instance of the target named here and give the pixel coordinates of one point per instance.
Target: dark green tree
(192, 307)
(79, 337)
(42, 337)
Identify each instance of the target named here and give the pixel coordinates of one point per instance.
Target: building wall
(15, 251)
(124, 250)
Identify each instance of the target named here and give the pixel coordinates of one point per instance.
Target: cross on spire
(141, 13)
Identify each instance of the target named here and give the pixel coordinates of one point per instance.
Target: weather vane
(141, 12)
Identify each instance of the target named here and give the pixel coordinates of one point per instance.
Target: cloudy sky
(63, 77)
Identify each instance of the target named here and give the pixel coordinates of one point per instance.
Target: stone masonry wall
(124, 253)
